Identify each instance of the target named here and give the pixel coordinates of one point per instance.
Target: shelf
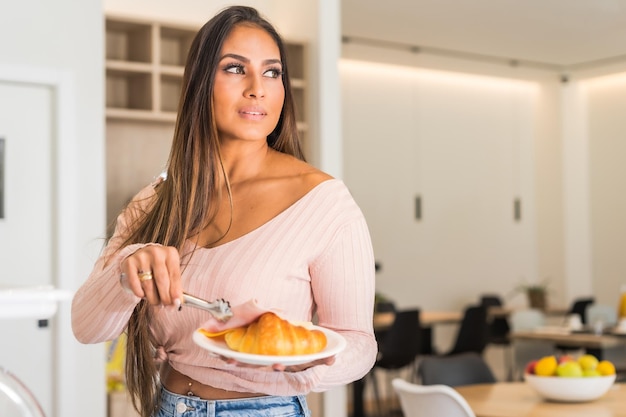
(144, 67)
(297, 83)
(127, 41)
(298, 97)
(295, 60)
(172, 70)
(175, 44)
(140, 115)
(128, 66)
(170, 92)
(128, 89)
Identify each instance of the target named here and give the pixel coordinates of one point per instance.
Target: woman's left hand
(278, 367)
(297, 368)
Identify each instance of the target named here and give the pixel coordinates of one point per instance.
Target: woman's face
(248, 95)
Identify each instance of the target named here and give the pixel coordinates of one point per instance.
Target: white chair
(601, 313)
(526, 350)
(432, 400)
(603, 316)
(528, 319)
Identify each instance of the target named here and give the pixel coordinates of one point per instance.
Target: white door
(26, 229)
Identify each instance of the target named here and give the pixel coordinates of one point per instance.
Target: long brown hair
(185, 203)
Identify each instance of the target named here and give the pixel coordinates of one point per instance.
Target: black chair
(473, 332)
(579, 307)
(385, 307)
(498, 325)
(456, 370)
(398, 348)
(498, 331)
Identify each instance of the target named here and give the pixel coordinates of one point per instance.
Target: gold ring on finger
(145, 275)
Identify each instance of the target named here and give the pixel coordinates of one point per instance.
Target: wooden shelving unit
(144, 69)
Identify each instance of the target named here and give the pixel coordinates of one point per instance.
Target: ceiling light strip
(451, 53)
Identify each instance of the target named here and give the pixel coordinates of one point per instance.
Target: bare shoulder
(300, 176)
(310, 177)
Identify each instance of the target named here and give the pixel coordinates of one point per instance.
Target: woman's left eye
(273, 73)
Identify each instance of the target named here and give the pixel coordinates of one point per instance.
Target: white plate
(335, 343)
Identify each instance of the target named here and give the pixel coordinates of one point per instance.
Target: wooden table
(564, 338)
(502, 311)
(516, 399)
(427, 318)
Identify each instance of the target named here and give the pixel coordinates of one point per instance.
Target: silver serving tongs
(220, 309)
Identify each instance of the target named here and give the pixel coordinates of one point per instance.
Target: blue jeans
(175, 405)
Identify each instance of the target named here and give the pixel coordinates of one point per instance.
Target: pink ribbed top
(314, 257)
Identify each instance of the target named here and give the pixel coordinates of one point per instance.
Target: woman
(240, 216)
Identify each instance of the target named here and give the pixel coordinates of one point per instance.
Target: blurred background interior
(483, 141)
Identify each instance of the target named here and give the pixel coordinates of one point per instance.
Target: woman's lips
(252, 114)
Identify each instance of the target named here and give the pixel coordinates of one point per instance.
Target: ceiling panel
(563, 33)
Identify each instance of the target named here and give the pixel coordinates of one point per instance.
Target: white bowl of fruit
(570, 379)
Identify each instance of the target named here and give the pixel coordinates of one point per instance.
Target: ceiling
(564, 34)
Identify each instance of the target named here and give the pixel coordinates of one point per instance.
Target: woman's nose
(255, 87)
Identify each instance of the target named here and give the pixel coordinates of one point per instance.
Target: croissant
(271, 335)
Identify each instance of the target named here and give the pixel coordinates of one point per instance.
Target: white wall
(605, 97)
(573, 175)
(464, 144)
(65, 37)
(494, 124)
(548, 163)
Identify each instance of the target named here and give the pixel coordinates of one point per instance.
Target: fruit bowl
(581, 389)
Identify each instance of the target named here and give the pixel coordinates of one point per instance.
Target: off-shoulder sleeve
(101, 307)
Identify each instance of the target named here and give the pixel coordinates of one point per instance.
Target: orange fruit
(605, 368)
(546, 366)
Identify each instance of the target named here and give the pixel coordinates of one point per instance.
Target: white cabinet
(463, 146)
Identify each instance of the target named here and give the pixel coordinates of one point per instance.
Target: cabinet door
(475, 163)
(462, 148)
(26, 230)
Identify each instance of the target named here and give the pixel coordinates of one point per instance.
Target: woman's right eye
(234, 69)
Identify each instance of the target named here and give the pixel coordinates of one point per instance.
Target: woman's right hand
(153, 273)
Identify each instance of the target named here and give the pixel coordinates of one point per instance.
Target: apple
(569, 369)
(591, 372)
(565, 358)
(588, 362)
(530, 367)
